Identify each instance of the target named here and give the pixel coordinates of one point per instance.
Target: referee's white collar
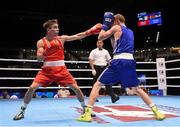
(98, 49)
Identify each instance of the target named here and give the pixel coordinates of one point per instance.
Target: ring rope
(37, 69)
(26, 60)
(82, 87)
(171, 69)
(31, 78)
(173, 77)
(146, 70)
(146, 62)
(173, 86)
(25, 78)
(80, 78)
(18, 60)
(170, 61)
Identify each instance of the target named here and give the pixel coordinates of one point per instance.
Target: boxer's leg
(27, 99)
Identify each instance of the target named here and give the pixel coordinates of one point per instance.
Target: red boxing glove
(94, 30)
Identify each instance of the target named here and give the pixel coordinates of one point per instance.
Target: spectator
(14, 97)
(62, 93)
(5, 95)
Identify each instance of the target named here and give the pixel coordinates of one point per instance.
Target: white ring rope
(170, 61)
(30, 78)
(25, 60)
(80, 78)
(146, 70)
(173, 77)
(18, 60)
(148, 78)
(20, 69)
(173, 86)
(37, 69)
(146, 62)
(171, 69)
(82, 87)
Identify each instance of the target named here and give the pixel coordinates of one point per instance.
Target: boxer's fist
(94, 30)
(107, 20)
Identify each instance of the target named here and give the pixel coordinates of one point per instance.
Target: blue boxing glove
(107, 20)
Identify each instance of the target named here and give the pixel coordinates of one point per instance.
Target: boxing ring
(129, 111)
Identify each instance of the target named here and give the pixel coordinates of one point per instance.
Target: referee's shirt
(100, 56)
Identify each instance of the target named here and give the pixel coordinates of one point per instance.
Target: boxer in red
(50, 50)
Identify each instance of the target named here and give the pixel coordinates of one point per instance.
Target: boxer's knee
(28, 95)
(31, 89)
(74, 87)
(97, 85)
(34, 86)
(30, 92)
(138, 90)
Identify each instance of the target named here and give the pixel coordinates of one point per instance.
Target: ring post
(161, 75)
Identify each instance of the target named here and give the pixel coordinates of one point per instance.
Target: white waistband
(54, 63)
(127, 56)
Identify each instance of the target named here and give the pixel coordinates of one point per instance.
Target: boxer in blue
(122, 68)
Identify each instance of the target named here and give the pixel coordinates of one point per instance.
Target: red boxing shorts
(58, 74)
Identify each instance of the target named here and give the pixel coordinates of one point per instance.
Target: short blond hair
(120, 17)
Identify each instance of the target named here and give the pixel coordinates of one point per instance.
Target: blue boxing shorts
(121, 71)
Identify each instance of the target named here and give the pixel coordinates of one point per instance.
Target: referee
(99, 58)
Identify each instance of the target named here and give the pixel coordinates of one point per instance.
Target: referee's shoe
(114, 98)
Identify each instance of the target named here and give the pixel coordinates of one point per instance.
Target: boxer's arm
(114, 31)
(40, 51)
(66, 38)
(112, 41)
(92, 31)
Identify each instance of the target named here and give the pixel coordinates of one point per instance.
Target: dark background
(21, 21)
